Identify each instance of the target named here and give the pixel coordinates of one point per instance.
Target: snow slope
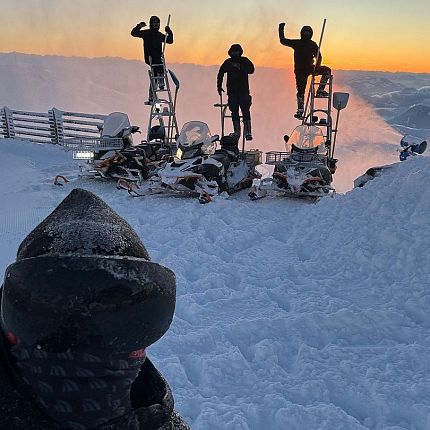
(289, 315)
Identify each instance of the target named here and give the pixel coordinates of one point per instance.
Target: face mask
(81, 389)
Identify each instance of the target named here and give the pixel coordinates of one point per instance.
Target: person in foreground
(79, 307)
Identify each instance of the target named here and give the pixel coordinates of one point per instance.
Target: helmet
(306, 32)
(84, 276)
(235, 50)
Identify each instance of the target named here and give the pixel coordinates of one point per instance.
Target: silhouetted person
(153, 41)
(237, 68)
(305, 55)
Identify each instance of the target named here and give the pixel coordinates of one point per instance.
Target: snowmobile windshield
(114, 124)
(307, 137)
(196, 133)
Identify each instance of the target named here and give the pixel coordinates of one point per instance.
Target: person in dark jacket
(237, 68)
(79, 307)
(153, 41)
(306, 63)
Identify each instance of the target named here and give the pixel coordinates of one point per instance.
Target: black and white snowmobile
(113, 154)
(307, 166)
(199, 169)
(303, 170)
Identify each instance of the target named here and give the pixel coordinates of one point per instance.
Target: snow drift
(289, 314)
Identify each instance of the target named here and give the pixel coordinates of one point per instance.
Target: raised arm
(284, 41)
(137, 31)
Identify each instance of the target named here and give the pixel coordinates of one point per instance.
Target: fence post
(8, 122)
(56, 125)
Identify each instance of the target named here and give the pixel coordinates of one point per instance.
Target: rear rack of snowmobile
(274, 157)
(84, 147)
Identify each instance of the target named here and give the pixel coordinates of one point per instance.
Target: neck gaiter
(79, 389)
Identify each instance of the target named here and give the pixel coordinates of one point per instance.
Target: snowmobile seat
(223, 157)
(303, 154)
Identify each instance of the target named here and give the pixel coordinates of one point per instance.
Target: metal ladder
(223, 111)
(317, 106)
(163, 104)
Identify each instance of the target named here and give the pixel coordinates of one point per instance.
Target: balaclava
(306, 32)
(235, 51)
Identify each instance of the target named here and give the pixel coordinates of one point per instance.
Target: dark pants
(302, 79)
(242, 101)
(157, 71)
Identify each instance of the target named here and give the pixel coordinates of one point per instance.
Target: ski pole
(315, 66)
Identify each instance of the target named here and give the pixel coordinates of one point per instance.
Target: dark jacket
(150, 393)
(237, 70)
(153, 42)
(305, 52)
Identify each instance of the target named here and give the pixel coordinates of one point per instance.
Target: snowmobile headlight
(179, 154)
(83, 155)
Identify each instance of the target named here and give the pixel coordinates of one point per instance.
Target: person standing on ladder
(306, 63)
(237, 68)
(153, 41)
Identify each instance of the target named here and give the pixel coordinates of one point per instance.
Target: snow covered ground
(289, 315)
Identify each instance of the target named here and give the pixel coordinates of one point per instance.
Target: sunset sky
(391, 35)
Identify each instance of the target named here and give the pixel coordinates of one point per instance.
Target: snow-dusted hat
(83, 275)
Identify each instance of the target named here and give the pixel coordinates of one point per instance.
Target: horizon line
(197, 64)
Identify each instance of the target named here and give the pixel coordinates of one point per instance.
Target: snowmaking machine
(409, 146)
(306, 167)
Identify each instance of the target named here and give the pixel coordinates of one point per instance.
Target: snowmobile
(113, 154)
(307, 166)
(199, 169)
(304, 169)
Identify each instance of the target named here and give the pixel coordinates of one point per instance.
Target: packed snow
(289, 315)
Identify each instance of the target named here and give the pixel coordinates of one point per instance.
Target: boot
(236, 128)
(321, 93)
(300, 107)
(247, 129)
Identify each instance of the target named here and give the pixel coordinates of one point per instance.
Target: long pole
(165, 36)
(315, 66)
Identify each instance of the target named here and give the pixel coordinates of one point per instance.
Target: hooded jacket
(237, 69)
(152, 42)
(305, 50)
(82, 291)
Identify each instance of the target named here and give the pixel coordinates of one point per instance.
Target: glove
(167, 29)
(142, 24)
(282, 26)
(220, 90)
